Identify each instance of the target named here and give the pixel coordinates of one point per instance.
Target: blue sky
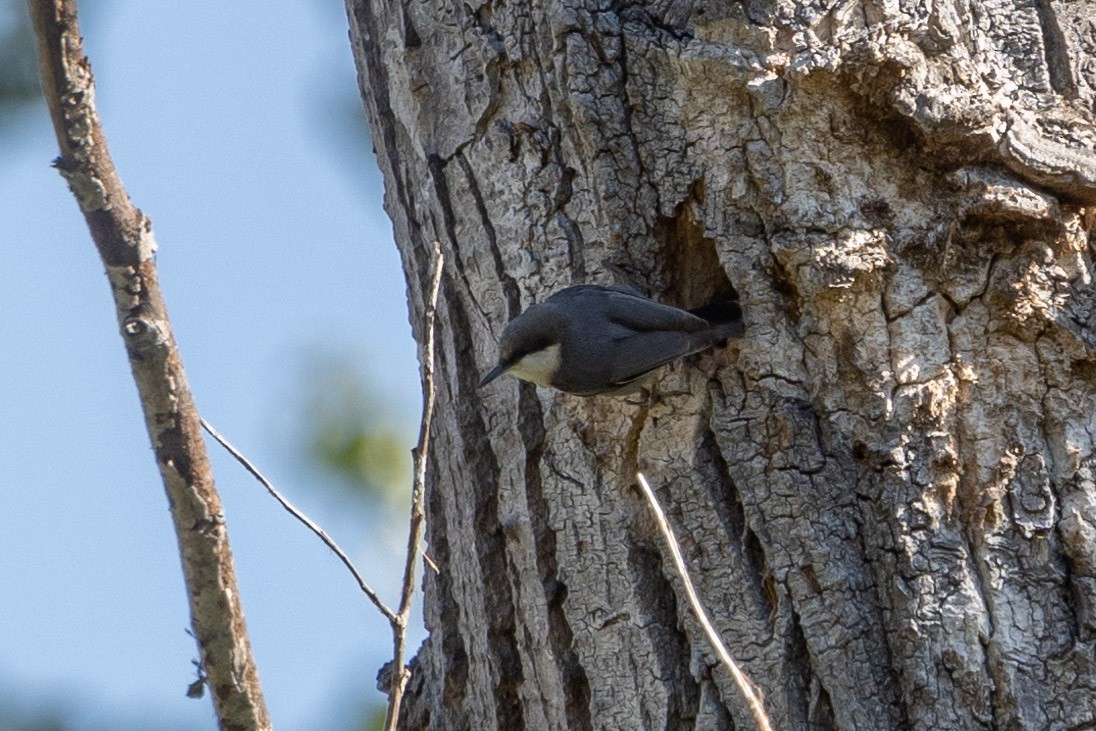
(232, 128)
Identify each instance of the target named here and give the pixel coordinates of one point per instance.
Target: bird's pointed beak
(495, 373)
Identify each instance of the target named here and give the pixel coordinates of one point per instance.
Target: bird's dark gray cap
(538, 327)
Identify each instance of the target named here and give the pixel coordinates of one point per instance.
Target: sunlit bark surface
(886, 490)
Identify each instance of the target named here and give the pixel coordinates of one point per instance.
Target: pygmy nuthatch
(591, 339)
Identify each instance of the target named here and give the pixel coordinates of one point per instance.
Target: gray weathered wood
(887, 489)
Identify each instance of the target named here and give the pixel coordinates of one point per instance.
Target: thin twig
(430, 562)
(745, 685)
(418, 493)
(308, 522)
(398, 619)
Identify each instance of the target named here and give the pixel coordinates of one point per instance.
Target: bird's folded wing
(643, 315)
(643, 352)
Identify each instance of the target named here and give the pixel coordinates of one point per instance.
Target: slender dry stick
(123, 237)
(418, 493)
(308, 522)
(397, 620)
(744, 683)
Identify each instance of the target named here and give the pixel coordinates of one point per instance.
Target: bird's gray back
(627, 308)
(621, 336)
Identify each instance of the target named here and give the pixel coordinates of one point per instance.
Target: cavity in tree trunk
(886, 490)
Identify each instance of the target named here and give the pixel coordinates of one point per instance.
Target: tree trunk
(886, 490)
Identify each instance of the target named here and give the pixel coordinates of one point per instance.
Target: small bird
(591, 339)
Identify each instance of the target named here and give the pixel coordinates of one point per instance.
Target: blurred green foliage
(352, 435)
(373, 719)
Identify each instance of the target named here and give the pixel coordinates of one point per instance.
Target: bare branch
(308, 522)
(123, 237)
(752, 694)
(418, 493)
(399, 619)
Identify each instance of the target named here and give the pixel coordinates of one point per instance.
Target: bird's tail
(725, 319)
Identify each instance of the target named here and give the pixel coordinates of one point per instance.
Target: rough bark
(887, 490)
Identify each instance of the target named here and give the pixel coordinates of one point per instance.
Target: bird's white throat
(538, 367)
